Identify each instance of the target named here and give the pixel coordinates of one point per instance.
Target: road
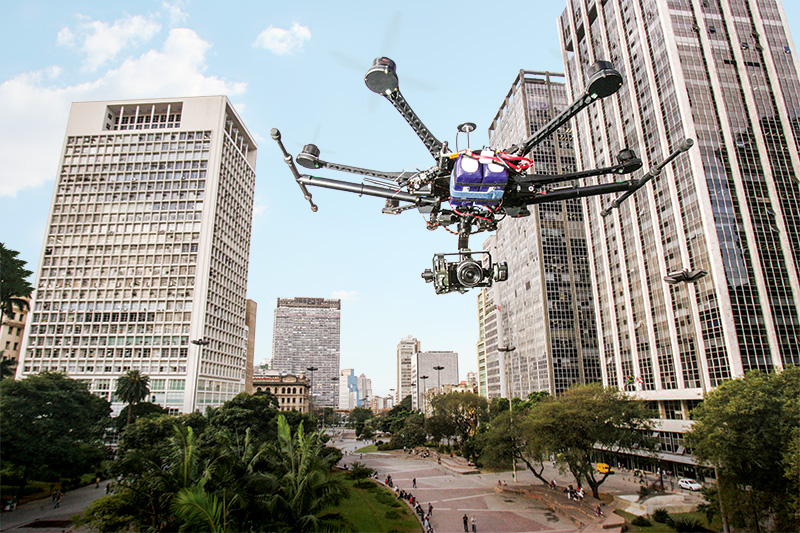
(40, 517)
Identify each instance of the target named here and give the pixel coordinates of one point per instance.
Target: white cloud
(35, 107)
(175, 12)
(345, 295)
(101, 42)
(283, 42)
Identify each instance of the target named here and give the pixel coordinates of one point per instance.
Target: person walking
(430, 509)
(414, 483)
(466, 524)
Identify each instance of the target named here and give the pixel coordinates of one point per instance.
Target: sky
(298, 67)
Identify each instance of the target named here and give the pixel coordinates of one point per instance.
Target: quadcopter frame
(475, 205)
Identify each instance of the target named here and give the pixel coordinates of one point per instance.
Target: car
(689, 484)
(604, 468)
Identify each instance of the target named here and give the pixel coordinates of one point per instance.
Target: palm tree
(132, 388)
(14, 286)
(303, 483)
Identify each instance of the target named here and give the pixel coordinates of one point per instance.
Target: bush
(661, 515)
(640, 521)
(359, 471)
(687, 525)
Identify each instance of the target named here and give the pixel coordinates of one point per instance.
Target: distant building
(250, 323)
(380, 403)
(306, 335)
(349, 396)
(364, 388)
(406, 350)
(146, 251)
(423, 364)
(11, 332)
(290, 390)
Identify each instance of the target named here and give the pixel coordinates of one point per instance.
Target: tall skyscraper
(441, 367)
(406, 349)
(349, 396)
(544, 338)
(364, 389)
(146, 251)
(306, 335)
(725, 73)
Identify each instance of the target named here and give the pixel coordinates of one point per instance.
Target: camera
(465, 273)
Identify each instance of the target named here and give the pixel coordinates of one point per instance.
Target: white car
(689, 484)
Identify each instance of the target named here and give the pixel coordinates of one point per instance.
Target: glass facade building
(146, 250)
(725, 73)
(545, 310)
(306, 334)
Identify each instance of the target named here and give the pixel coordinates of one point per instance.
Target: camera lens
(469, 273)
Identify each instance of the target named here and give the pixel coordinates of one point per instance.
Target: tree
(358, 417)
(748, 428)
(140, 410)
(132, 388)
(14, 286)
(51, 424)
(462, 410)
(585, 418)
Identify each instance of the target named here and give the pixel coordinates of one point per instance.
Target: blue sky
(298, 67)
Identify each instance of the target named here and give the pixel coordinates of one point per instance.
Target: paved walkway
(39, 516)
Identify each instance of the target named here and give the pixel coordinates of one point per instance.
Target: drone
(472, 191)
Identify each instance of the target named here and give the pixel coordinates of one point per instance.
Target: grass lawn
(376, 508)
(656, 527)
(367, 449)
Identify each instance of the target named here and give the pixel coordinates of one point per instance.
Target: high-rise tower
(145, 256)
(306, 335)
(407, 348)
(725, 73)
(544, 336)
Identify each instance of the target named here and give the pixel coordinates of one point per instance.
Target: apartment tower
(407, 349)
(306, 335)
(440, 367)
(725, 73)
(145, 256)
(543, 315)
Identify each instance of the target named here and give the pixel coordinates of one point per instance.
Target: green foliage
(748, 428)
(660, 515)
(408, 431)
(51, 425)
(584, 418)
(459, 413)
(138, 410)
(14, 284)
(641, 521)
(687, 525)
(359, 471)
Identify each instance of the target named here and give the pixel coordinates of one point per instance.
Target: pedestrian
(58, 500)
(466, 524)
(474, 525)
(430, 509)
(97, 482)
(414, 483)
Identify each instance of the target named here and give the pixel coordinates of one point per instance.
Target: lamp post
(439, 369)
(199, 343)
(311, 389)
(424, 388)
(506, 350)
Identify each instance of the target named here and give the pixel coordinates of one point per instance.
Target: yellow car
(603, 468)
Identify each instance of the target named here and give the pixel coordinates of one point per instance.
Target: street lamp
(424, 388)
(199, 343)
(439, 369)
(506, 350)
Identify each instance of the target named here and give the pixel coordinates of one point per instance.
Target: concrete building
(290, 390)
(349, 396)
(724, 73)
(146, 250)
(364, 385)
(424, 364)
(544, 313)
(250, 322)
(406, 350)
(306, 335)
(11, 332)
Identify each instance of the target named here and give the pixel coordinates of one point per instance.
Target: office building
(12, 328)
(250, 322)
(364, 385)
(306, 335)
(544, 316)
(146, 251)
(349, 396)
(441, 367)
(406, 350)
(725, 73)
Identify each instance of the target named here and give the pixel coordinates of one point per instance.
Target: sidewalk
(40, 516)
